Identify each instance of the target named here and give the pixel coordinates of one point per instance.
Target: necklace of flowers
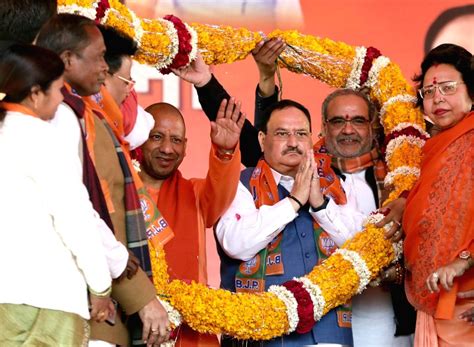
(297, 304)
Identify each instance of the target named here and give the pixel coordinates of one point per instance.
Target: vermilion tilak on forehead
(346, 116)
(434, 80)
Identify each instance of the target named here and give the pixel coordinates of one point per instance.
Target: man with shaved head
(191, 206)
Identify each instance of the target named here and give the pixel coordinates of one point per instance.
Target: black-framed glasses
(445, 88)
(338, 123)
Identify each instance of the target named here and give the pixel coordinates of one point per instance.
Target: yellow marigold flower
(406, 154)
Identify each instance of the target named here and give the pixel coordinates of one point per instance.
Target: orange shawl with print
(439, 217)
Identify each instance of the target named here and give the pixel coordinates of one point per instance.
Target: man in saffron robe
(191, 206)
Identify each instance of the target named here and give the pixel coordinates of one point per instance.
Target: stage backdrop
(396, 28)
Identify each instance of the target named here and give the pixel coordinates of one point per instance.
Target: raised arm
(266, 55)
(211, 93)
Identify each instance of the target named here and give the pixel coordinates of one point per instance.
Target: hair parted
(24, 66)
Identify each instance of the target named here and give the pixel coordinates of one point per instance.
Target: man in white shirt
(269, 221)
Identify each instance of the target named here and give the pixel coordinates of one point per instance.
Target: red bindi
(434, 80)
(347, 117)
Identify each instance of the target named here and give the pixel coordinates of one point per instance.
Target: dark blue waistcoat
(299, 257)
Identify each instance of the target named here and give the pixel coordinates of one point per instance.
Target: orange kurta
(191, 206)
(439, 217)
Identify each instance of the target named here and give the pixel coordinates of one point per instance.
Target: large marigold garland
(297, 304)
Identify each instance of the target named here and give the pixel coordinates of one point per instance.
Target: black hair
(441, 21)
(285, 103)
(65, 32)
(448, 53)
(24, 66)
(20, 20)
(117, 46)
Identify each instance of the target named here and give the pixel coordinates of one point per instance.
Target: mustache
(293, 150)
(349, 138)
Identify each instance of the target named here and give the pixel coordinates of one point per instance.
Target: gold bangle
(103, 294)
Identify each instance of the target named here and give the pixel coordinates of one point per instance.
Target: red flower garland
(185, 48)
(370, 55)
(102, 6)
(305, 306)
(408, 131)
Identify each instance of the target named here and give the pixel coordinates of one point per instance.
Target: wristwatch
(466, 255)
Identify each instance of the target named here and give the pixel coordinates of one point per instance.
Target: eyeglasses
(285, 134)
(338, 123)
(445, 88)
(129, 83)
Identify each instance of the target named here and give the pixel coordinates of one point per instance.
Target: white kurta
(373, 318)
(51, 249)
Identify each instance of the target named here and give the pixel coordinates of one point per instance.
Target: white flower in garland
(394, 99)
(107, 14)
(172, 33)
(193, 42)
(400, 140)
(374, 218)
(316, 295)
(398, 250)
(359, 266)
(173, 315)
(291, 305)
(79, 10)
(378, 65)
(137, 26)
(353, 81)
(402, 170)
(404, 125)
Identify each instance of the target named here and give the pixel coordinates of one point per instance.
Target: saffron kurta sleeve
(217, 191)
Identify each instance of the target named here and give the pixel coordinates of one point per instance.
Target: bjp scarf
(269, 261)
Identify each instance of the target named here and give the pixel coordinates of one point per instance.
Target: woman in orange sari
(439, 214)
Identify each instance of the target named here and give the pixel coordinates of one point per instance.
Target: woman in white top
(50, 250)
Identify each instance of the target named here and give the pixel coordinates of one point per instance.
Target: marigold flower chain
(296, 304)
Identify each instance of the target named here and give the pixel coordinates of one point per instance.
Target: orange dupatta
(439, 217)
(14, 107)
(158, 230)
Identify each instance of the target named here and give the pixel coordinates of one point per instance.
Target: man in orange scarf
(191, 206)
